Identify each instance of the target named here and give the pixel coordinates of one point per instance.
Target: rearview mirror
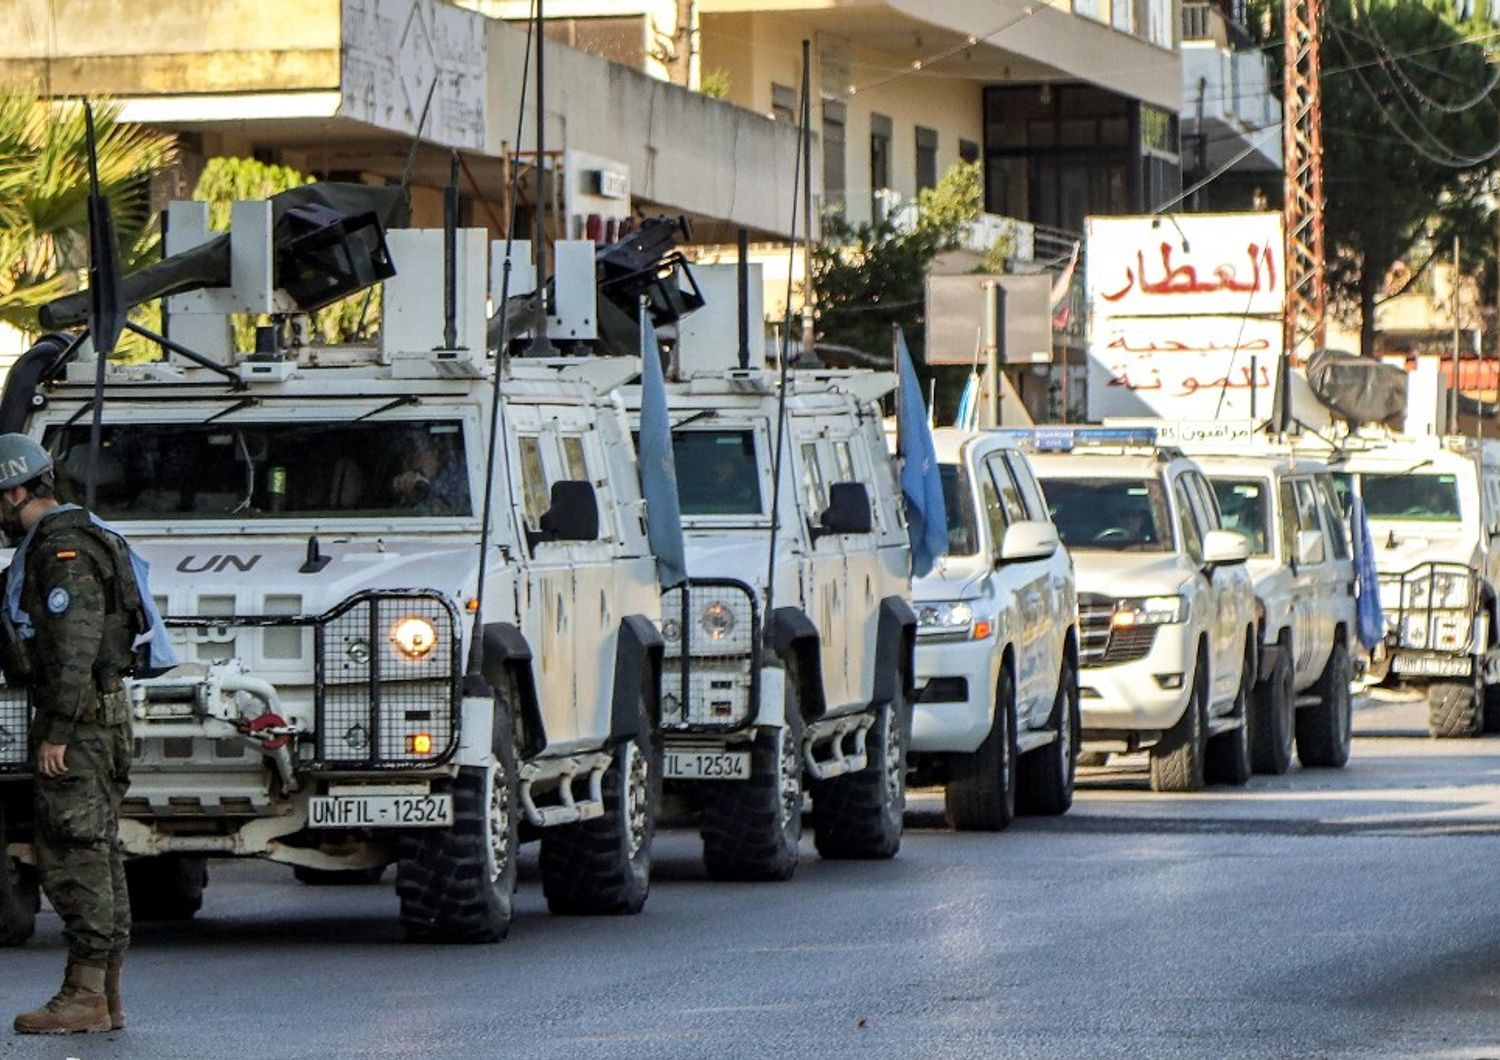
(1028, 540)
(574, 514)
(848, 511)
(1223, 548)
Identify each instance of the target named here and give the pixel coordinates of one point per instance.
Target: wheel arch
(639, 650)
(793, 636)
(895, 640)
(505, 657)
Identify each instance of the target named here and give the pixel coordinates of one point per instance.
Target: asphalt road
(1323, 913)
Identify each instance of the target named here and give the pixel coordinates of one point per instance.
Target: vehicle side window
(1208, 504)
(1187, 524)
(533, 480)
(1307, 516)
(844, 459)
(1290, 523)
(1338, 531)
(574, 462)
(812, 481)
(1010, 493)
(1031, 490)
(994, 511)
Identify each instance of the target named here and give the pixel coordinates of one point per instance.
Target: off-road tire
(1044, 777)
(860, 815)
(1228, 759)
(603, 867)
(1325, 731)
(1492, 708)
(1177, 761)
(1454, 710)
(1273, 716)
(338, 877)
(752, 829)
(456, 884)
(166, 888)
(20, 895)
(980, 795)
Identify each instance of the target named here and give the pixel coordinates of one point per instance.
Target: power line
(1394, 65)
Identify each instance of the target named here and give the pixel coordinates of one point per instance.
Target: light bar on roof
(1066, 439)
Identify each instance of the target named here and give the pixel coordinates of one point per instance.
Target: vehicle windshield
(717, 473)
(1421, 498)
(269, 470)
(1110, 514)
(963, 527)
(1244, 504)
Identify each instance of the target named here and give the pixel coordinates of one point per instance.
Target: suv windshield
(293, 469)
(963, 529)
(717, 473)
(1112, 514)
(1243, 503)
(1426, 498)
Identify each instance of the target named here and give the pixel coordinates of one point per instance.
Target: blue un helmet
(22, 459)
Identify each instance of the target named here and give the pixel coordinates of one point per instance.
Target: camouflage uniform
(82, 643)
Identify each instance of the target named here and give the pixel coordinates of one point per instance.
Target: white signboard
(395, 51)
(1184, 315)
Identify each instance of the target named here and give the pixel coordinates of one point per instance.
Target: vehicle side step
(553, 779)
(825, 752)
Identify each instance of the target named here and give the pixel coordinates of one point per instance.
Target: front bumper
(955, 701)
(1136, 696)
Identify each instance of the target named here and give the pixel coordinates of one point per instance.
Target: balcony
(1228, 87)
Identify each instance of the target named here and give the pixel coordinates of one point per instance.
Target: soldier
(73, 605)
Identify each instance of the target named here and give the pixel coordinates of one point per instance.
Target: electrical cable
(1379, 43)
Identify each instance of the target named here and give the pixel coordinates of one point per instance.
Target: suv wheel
(1046, 775)
(1492, 708)
(167, 887)
(752, 828)
(20, 895)
(1273, 716)
(1454, 709)
(1228, 760)
(1177, 760)
(1324, 731)
(981, 792)
(603, 867)
(859, 815)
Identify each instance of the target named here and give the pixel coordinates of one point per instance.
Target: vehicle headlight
(671, 630)
(413, 637)
(1149, 611)
(717, 620)
(958, 617)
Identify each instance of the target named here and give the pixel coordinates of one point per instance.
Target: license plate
(1432, 666)
(708, 765)
(380, 811)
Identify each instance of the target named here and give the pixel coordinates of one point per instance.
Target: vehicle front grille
(713, 684)
(1407, 602)
(1102, 644)
(15, 727)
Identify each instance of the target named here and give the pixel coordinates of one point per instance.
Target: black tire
(980, 795)
(20, 895)
(456, 884)
(338, 877)
(752, 829)
(166, 888)
(603, 867)
(1492, 708)
(1273, 716)
(1045, 776)
(1228, 759)
(1177, 761)
(860, 815)
(1325, 731)
(1453, 710)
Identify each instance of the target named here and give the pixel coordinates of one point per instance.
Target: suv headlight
(1149, 611)
(953, 619)
(413, 637)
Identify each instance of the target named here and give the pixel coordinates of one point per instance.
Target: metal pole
(743, 277)
(808, 337)
(540, 345)
(1457, 353)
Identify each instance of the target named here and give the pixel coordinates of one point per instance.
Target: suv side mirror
(1309, 547)
(1224, 548)
(848, 511)
(574, 514)
(1028, 540)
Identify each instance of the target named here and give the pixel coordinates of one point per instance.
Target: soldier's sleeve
(69, 620)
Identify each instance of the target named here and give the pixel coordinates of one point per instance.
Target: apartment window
(784, 103)
(927, 140)
(835, 120)
(968, 150)
(880, 159)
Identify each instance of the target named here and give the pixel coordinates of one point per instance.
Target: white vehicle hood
(1127, 574)
(739, 556)
(1400, 546)
(952, 578)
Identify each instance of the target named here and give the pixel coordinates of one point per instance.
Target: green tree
(44, 191)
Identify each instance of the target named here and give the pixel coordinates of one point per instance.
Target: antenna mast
(1305, 315)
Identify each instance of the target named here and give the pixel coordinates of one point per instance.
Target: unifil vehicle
(1167, 627)
(788, 653)
(996, 720)
(314, 519)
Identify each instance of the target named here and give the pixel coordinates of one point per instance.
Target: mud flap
(507, 654)
(895, 641)
(792, 635)
(640, 646)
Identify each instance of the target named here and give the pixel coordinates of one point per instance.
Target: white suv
(1168, 646)
(996, 720)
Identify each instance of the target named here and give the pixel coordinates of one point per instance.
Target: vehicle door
(1304, 636)
(1029, 581)
(879, 562)
(1059, 594)
(1341, 557)
(1321, 574)
(1192, 523)
(827, 596)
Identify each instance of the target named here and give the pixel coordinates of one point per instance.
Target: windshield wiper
(240, 404)
(395, 403)
(701, 414)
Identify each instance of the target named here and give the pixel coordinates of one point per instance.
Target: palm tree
(44, 191)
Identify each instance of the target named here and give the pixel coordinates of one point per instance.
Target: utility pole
(1302, 147)
(1457, 352)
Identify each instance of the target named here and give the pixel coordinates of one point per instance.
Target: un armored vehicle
(1167, 626)
(996, 720)
(789, 652)
(394, 648)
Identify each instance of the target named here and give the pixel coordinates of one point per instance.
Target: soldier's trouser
(78, 849)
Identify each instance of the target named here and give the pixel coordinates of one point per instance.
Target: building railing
(1222, 22)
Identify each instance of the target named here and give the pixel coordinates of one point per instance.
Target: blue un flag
(659, 466)
(921, 481)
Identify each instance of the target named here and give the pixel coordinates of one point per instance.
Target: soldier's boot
(112, 993)
(79, 1007)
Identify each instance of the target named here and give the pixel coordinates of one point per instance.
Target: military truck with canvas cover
(1167, 638)
(767, 696)
(313, 520)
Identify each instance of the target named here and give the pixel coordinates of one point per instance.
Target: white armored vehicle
(788, 665)
(315, 521)
(996, 720)
(1168, 644)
